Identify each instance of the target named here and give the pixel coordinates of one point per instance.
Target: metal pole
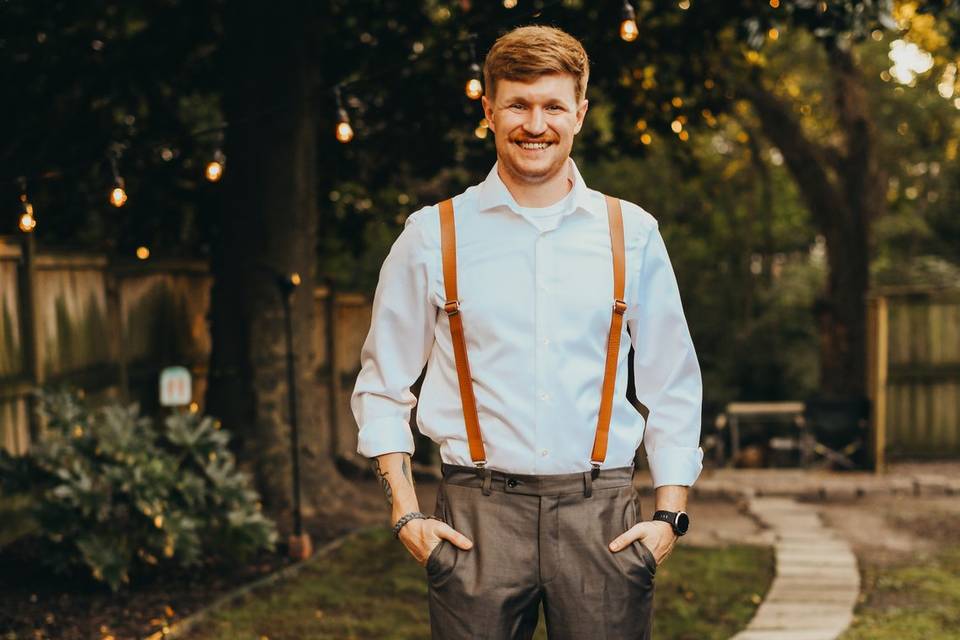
(292, 398)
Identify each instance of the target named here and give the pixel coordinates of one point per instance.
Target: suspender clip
(619, 306)
(452, 307)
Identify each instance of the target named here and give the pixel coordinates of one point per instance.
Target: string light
(215, 167)
(118, 196)
(684, 4)
(213, 171)
(143, 253)
(344, 130)
(474, 88)
(27, 222)
(628, 24)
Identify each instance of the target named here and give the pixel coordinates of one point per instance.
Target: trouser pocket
(440, 562)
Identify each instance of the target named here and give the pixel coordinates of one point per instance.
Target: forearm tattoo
(407, 469)
(384, 482)
(382, 475)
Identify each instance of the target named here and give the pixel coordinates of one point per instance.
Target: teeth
(533, 145)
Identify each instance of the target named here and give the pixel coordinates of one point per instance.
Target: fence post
(114, 285)
(877, 357)
(31, 331)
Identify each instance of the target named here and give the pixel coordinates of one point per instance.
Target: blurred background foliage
(144, 80)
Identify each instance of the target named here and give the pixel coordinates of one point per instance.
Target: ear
(581, 114)
(488, 112)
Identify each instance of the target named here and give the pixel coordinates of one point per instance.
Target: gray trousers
(539, 538)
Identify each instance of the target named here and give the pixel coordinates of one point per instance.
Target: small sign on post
(176, 387)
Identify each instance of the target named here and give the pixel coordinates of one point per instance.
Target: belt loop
(587, 484)
(487, 481)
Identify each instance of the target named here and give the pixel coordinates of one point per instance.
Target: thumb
(636, 532)
(454, 536)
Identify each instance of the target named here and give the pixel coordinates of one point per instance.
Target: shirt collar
(494, 194)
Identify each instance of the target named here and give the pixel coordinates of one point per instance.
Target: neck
(539, 194)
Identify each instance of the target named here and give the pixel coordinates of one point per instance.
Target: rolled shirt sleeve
(397, 345)
(666, 371)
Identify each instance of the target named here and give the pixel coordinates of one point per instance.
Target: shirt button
(544, 396)
(546, 341)
(544, 453)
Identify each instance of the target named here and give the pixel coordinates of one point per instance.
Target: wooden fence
(914, 372)
(109, 328)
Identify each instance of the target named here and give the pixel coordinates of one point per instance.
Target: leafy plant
(114, 493)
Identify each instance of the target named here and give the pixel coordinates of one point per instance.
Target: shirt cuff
(675, 465)
(384, 435)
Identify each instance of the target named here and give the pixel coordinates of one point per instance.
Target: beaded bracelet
(413, 515)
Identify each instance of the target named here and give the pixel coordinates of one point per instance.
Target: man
(526, 370)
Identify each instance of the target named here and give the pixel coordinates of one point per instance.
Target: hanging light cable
(27, 222)
(474, 88)
(344, 130)
(628, 23)
(118, 196)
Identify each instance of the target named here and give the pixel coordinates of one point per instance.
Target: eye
(516, 105)
(555, 107)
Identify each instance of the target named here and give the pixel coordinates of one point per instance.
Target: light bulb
(214, 171)
(628, 24)
(27, 222)
(344, 131)
(118, 197)
(474, 89)
(143, 253)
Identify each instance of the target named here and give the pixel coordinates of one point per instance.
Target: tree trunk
(268, 223)
(844, 190)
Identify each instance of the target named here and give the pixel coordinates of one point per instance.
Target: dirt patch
(891, 529)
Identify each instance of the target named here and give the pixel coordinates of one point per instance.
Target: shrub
(114, 493)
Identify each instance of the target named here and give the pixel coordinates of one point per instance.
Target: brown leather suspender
(448, 245)
(615, 217)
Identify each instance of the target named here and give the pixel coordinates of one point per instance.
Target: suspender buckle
(451, 307)
(480, 463)
(619, 307)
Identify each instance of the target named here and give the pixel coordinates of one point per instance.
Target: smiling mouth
(532, 146)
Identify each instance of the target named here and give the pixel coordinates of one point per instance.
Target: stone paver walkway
(817, 581)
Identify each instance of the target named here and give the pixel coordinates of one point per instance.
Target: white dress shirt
(536, 308)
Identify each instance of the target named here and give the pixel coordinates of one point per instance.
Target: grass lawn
(372, 588)
(916, 600)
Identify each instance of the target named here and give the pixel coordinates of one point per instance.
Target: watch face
(683, 522)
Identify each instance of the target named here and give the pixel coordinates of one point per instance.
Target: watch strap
(669, 517)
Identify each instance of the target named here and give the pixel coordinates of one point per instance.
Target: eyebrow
(551, 101)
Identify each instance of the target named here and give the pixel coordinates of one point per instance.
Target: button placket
(543, 274)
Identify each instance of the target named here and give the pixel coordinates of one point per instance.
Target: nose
(535, 124)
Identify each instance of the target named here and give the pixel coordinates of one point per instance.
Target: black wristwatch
(679, 520)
